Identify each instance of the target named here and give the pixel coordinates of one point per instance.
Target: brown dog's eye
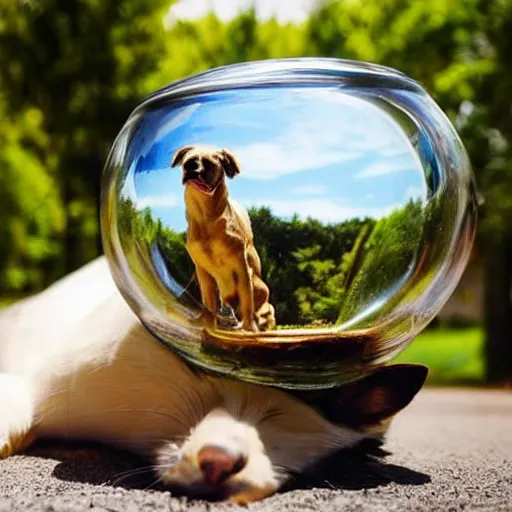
(209, 165)
(209, 170)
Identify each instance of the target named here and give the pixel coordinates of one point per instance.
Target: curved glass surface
(290, 222)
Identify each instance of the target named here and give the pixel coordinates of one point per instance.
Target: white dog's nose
(218, 464)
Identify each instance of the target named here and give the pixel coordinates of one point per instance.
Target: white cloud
(320, 128)
(359, 123)
(301, 146)
(310, 190)
(319, 209)
(269, 160)
(164, 201)
(384, 168)
(414, 192)
(394, 151)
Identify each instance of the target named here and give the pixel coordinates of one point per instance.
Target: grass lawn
(454, 356)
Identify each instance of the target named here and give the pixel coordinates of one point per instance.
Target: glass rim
(300, 71)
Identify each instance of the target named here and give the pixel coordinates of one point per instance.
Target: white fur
(75, 362)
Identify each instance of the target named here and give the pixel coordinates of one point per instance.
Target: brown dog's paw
(250, 326)
(266, 324)
(266, 317)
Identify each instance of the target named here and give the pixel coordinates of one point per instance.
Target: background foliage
(72, 71)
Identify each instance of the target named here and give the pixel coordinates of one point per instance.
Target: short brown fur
(220, 240)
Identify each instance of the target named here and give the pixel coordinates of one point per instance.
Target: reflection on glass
(325, 213)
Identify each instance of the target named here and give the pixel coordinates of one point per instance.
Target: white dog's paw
(4, 447)
(14, 443)
(257, 480)
(15, 415)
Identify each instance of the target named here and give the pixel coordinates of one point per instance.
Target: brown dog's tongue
(199, 185)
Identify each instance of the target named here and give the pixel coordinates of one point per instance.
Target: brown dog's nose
(217, 464)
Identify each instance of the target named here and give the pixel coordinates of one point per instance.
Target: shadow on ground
(356, 469)
(364, 468)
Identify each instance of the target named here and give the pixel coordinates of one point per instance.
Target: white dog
(75, 362)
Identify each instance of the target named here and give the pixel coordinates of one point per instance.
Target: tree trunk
(498, 313)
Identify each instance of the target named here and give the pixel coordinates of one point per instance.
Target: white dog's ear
(375, 399)
(180, 155)
(229, 163)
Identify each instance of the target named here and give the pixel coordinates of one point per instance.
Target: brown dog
(220, 239)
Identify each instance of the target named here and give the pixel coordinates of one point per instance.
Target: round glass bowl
(294, 223)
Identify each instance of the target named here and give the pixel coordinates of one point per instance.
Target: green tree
(82, 66)
(460, 51)
(31, 212)
(198, 45)
(71, 72)
(304, 264)
(387, 256)
(487, 130)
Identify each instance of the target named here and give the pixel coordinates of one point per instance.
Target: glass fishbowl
(292, 222)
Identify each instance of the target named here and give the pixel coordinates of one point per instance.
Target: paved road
(452, 450)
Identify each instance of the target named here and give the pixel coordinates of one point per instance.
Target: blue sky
(314, 152)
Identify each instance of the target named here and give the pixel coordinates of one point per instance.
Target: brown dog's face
(204, 168)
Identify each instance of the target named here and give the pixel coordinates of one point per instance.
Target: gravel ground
(451, 451)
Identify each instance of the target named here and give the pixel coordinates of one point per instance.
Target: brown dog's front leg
(246, 298)
(208, 289)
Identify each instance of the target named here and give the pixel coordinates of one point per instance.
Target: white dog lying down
(75, 362)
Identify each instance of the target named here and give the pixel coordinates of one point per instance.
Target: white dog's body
(75, 362)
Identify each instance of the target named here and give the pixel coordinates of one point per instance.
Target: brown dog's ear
(373, 400)
(179, 155)
(229, 163)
